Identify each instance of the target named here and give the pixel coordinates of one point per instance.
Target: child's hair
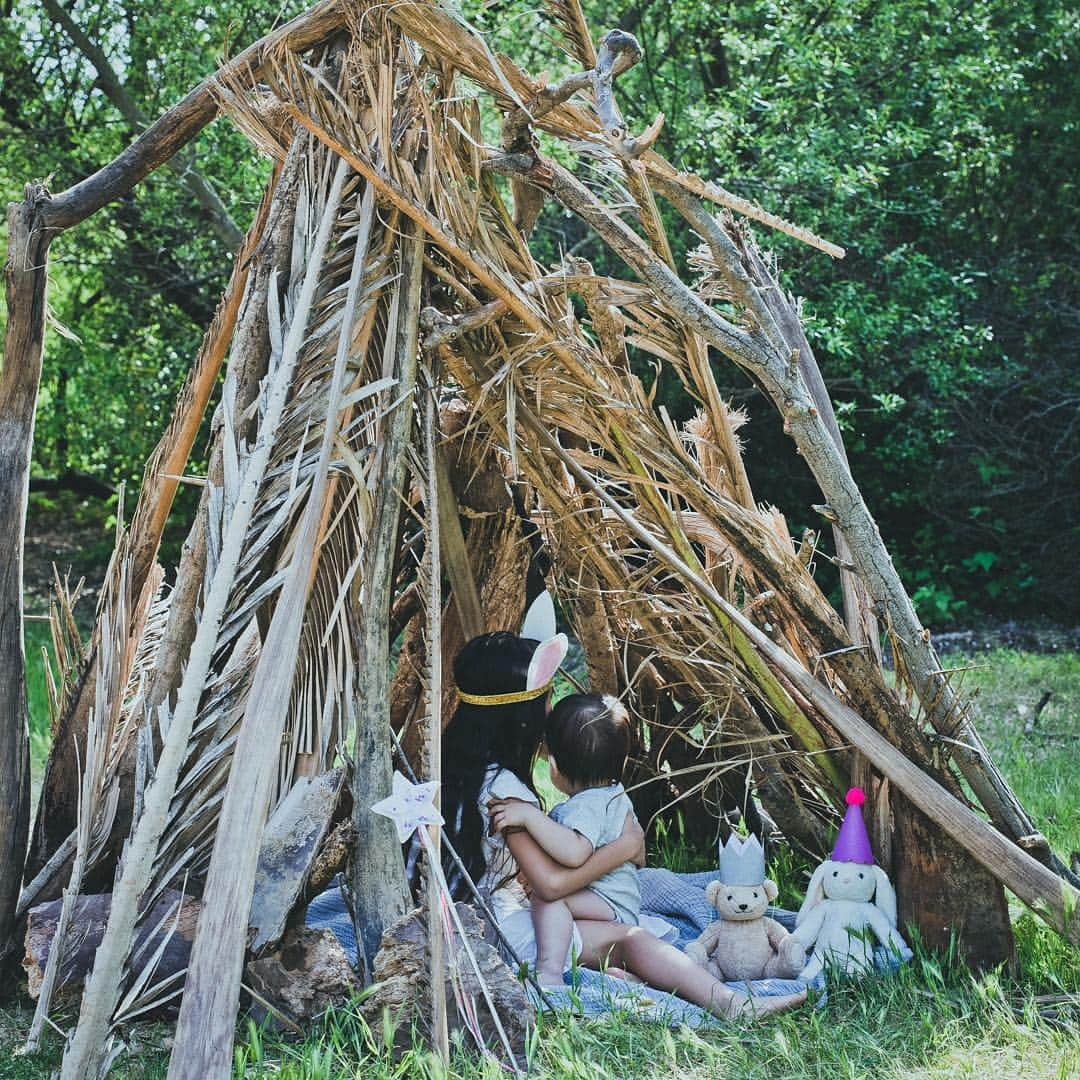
(589, 737)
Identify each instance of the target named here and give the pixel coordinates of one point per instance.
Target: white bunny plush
(849, 903)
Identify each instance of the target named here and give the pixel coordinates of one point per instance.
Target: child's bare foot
(742, 1006)
(550, 982)
(622, 973)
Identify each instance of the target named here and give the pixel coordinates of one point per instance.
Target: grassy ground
(933, 1021)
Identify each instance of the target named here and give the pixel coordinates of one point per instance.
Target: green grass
(935, 1020)
(1042, 766)
(36, 634)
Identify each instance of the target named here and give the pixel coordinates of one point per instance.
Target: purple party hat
(852, 843)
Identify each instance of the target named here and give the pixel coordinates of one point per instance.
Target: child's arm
(564, 845)
(551, 881)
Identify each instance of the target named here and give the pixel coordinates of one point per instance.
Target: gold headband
(504, 699)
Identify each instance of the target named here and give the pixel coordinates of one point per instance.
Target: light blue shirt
(599, 814)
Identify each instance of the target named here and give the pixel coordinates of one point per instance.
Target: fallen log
(87, 928)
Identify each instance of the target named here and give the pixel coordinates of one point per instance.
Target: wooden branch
(618, 52)
(26, 273)
(379, 890)
(669, 289)
(432, 573)
(48, 872)
(658, 168)
(201, 188)
(176, 128)
(441, 330)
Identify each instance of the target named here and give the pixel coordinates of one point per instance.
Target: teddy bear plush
(849, 903)
(743, 943)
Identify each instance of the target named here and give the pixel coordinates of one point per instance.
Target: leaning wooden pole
(26, 273)
(433, 720)
(379, 890)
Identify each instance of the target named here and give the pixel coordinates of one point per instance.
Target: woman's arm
(551, 881)
(565, 846)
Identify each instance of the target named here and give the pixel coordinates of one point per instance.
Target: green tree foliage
(936, 142)
(132, 289)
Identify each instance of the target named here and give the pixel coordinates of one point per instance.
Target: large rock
(301, 977)
(402, 986)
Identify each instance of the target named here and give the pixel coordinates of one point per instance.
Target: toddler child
(588, 738)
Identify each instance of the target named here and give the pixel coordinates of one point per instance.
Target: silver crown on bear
(742, 861)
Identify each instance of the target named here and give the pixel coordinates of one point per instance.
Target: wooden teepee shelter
(411, 402)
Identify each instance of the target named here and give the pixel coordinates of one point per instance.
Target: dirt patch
(77, 536)
(1022, 636)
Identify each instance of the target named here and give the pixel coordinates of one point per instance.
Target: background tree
(937, 144)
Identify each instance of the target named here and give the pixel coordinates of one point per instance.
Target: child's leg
(553, 924)
(666, 968)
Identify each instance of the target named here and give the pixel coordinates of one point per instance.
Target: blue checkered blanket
(677, 898)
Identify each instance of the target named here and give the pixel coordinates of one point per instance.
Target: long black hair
(479, 736)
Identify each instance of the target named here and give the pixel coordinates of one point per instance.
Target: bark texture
(172, 917)
(303, 976)
(26, 274)
(379, 888)
(402, 990)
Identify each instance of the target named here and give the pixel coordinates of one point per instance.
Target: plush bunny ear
(546, 660)
(539, 621)
(885, 896)
(815, 893)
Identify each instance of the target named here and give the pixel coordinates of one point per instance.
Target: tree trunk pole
(379, 890)
(26, 278)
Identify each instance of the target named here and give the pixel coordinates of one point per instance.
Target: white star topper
(410, 806)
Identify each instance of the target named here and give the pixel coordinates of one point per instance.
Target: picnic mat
(678, 899)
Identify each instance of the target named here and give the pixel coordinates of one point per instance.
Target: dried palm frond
(218, 953)
(245, 473)
(570, 19)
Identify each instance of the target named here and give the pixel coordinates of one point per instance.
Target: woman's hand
(631, 841)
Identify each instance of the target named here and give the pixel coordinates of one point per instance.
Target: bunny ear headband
(539, 624)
